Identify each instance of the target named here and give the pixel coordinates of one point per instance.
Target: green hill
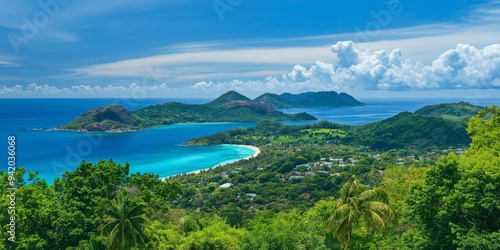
(274, 100)
(404, 130)
(227, 98)
(411, 130)
(461, 111)
(110, 118)
(432, 125)
(324, 99)
(230, 107)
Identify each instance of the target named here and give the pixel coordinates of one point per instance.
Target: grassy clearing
(304, 136)
(311, 136)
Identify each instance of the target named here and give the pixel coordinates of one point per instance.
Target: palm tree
(356, 202)
(125, 224)
(94, 243)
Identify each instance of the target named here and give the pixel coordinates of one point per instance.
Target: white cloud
(7, 64)
(463, 67)
(133, 90)
(198, 65)
(8, 61)
(346, 53)
(466, 67)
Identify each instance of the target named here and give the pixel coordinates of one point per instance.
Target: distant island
(323, 99)
(229, 107)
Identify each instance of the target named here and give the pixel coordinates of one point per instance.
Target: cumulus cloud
(467, 67)
(347, 54)
(463, 67)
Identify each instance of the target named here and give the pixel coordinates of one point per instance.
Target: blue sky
(65, 48)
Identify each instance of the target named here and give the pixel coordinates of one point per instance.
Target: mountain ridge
(229, 107)
(321, 99)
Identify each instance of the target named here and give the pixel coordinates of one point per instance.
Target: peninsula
(229, 107)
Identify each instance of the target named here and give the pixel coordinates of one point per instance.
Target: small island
(229, 107)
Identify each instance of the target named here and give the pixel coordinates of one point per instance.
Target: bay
(157, 150)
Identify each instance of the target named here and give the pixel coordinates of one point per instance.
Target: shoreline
(255, 154)
(254, 148)
(115, 131)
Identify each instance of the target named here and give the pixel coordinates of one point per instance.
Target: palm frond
(358, 201)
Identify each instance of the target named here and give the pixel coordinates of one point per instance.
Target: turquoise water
(156, 150)
(378, 109)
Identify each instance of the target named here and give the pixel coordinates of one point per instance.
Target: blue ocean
(158, 150)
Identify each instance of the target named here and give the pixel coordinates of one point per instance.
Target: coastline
(254, 148)
(255, 154)
(114, 131)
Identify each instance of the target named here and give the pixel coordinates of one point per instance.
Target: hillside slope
(229, 107)
(461, 111)
(404, 130)
(411, 130)
(324, 99)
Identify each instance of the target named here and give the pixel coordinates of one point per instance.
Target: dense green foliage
(274, 132)
(125, 224)
(404, 130)
(358, 202)
(461, 111)
(294, 195)
(411, 130)
(229, 107)
(113, 117)
(458, 205)
(322, 99)
(72, 210)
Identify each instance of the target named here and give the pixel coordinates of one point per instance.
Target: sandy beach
(255, 154)
(256, 149)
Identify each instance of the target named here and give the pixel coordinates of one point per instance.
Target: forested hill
(433, 125)
(324, 99)
(461, 111)
(230, 107)
(228, 97)
(403, 130)
(410, 130)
